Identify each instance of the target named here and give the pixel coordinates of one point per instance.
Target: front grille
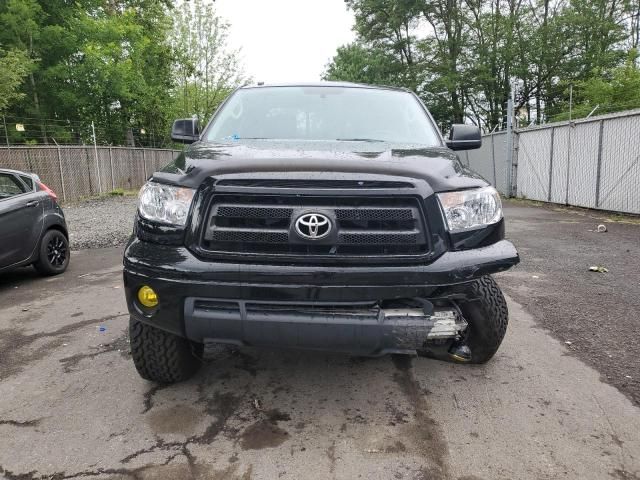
(366, 226)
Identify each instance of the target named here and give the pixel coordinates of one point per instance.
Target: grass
(121, 192)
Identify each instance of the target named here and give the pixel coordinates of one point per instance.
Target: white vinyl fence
(593, 163)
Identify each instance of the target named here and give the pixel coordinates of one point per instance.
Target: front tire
(485, 311)
(53, 253)
(487, 314)
(162, 357)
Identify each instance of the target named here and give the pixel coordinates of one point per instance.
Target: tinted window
(323, 113)
(27, 180)
(9, 186)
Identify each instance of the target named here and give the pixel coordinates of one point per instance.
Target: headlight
(165, 203)
(469, 209)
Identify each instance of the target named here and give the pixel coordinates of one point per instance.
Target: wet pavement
(72, 405)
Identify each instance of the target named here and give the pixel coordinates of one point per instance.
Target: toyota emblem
(313, 226)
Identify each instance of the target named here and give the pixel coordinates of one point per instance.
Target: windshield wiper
(358, 140)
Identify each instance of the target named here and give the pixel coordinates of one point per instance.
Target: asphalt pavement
(72, 405)
(596, 315)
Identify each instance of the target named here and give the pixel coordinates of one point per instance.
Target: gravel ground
(102, 222)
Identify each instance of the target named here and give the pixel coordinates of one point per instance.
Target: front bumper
(180, 278)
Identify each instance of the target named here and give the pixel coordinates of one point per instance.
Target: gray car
(33, 230)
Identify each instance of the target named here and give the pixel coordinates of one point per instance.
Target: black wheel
(162, 357)
(487, 315)
(54, 253)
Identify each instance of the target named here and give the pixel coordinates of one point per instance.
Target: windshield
(323, 113)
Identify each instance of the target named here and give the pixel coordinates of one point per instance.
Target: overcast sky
(287, 40)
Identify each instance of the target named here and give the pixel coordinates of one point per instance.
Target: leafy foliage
(464, 57)
(14, 67)
(128, 66)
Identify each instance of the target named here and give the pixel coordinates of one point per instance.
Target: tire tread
(491, 328)
(160, 356)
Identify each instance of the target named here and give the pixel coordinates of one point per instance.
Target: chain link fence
(76, 172)
(593, 163)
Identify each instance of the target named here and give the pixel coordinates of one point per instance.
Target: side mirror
(185, 130)
(464, 137)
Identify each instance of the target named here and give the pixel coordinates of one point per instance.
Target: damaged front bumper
(315, 307)
(367, 329)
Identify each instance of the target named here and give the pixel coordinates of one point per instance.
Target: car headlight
(165, 203)
(470, 209)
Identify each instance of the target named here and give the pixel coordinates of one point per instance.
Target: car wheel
(487, 314)
(162, 357)
(485, 311)
(54, 253)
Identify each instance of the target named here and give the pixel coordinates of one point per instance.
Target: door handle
(32, 203)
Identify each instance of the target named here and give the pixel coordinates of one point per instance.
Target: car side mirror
(464, 137)
(185, 130)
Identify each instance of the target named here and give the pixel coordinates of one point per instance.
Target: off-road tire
(162, 357)
(487, 315)
(47, 263)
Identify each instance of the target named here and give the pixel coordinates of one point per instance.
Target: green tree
(15, 65)
(617, 90)
(206, 69)
(464, 57)
(358, 63)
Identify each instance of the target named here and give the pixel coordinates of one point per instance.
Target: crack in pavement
(133, 474)
(12, 342)
(222, 407)
(120, 344)
(17, 423)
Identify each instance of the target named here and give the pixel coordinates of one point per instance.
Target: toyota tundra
(326, 216)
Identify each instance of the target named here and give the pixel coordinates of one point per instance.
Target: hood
(439, 167)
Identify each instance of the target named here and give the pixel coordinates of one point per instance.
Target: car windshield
(326, 113)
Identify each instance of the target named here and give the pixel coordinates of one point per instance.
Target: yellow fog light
(147, 297)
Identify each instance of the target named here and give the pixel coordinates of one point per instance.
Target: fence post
(599, 167)
(144, 163)
(515, 161)
(493, 159)
(6, 132)
(553, 134)
(509, 144)
(95, 149)
(113, 185)
(64, 195)
(566, 192)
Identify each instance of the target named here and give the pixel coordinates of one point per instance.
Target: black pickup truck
(327, 216)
